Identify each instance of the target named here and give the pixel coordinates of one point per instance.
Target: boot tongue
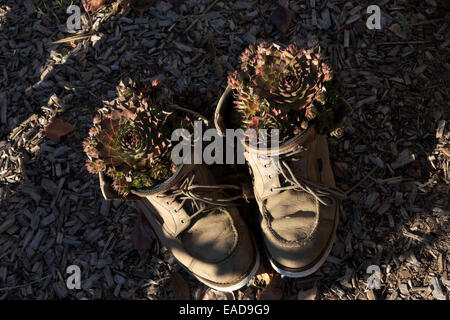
(295, 153)
(190, 206)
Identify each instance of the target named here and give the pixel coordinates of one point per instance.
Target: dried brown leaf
(282, 18)
(180, 287)
(444, 3)
(272, 291)
(58, 128)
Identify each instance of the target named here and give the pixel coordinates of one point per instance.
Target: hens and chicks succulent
(276, 88)
(130, 139)
(285, 89)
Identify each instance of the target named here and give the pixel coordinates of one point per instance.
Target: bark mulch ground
(393, 158)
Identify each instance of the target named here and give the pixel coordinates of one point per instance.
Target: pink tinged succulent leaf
(128, 115)
(310, 113)
(157, 83)
(107, 126)
(282, 18)
(89, 149)
(96, 166)
(90, 166)
(121, 186)
(292, 50)
(255, 121)
(91, 5)
(94, 131)
(97, 119)
(58, 128)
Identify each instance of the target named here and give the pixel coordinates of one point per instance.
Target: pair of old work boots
(298, 204)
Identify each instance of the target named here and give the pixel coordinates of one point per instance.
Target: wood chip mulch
(393, 158)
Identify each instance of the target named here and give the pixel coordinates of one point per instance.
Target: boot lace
(200, 197)
(321, 193)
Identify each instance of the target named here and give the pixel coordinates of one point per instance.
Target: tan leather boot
(200, 224)
(294, 187)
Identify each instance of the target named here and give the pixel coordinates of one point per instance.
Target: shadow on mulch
(366, 235)
(79, 108)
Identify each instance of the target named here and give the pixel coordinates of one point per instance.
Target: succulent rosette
(127, 144)
(283, 89)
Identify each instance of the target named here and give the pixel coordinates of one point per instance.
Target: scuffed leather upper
(297, 227)
(216, 245)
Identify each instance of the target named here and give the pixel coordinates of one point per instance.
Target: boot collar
(290, 145)
(223, 107)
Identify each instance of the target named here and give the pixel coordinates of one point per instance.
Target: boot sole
(233, 287)
(230, 288)
(316, 266)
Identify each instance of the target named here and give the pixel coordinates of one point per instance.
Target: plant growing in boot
(130, 139)
(285, 89)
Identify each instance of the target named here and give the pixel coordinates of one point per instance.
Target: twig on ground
(361, 181)
(24, 285)
(201, 15)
